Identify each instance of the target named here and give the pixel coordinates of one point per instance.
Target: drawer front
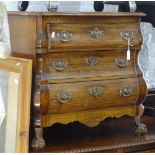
(84, 65)
(84, 37)
(73, 97)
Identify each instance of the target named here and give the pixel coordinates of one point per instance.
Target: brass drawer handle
(96, 91)
(121, 61)
(59, 65)
(126, 91)
(63, 36)
(96, 33)
(91, 61)
(126, 35)
(64, 97)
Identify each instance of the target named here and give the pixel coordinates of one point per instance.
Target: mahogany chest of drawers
(86, 69)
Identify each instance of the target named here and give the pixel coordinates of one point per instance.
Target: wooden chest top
(81, 26)
(90, 31)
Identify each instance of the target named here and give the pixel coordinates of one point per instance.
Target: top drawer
(84, 37)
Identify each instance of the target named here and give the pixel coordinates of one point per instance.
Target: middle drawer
(79, 66)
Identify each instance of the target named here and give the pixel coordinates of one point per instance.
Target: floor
(111, 135)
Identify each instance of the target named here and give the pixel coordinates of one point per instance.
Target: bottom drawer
(84, 96)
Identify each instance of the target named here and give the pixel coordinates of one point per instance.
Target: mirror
(9, 88)
(15, 92)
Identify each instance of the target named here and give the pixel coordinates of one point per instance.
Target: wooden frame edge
(24, 68)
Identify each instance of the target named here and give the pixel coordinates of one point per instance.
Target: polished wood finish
(89, 118)
(81, 92)
(63, 44)
(76, 14)
(78, 70)
(83, 41)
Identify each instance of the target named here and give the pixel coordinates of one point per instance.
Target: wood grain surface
(82, 100)
(83, 41)
(78, 70)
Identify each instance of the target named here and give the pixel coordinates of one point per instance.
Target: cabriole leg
(38, 142)
(141, 127)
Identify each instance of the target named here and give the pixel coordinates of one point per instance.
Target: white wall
(63, 6)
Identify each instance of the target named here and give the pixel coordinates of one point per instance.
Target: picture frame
(22, 68)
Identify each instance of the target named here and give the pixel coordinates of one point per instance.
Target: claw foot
(38, 143)
(141, 129)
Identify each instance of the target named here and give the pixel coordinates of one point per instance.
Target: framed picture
(15, 97)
